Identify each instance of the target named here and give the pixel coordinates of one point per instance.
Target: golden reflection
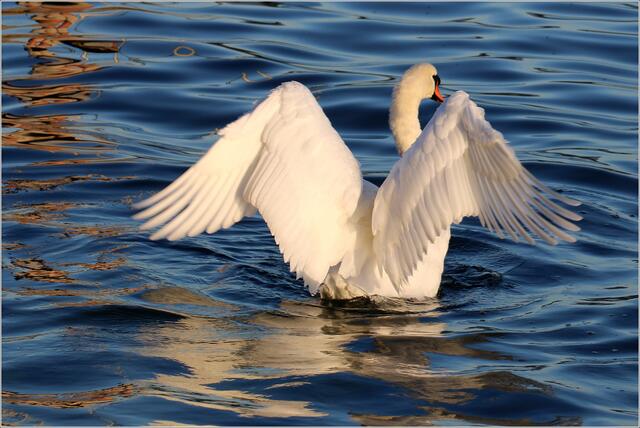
(74, 399)
(47, 94)
(35, 269)
(53, 25)
(304, 341)
(42, 213)
(54, 21)
(40, 132)
(12, 246)
(110, 265)
(14, 186)
(51, 133)
(59, 68)
(95, 231)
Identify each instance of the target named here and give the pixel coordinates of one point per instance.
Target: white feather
(285, 160)
(460, 166)
(341, 234)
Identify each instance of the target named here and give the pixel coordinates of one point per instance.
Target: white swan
(343, 235)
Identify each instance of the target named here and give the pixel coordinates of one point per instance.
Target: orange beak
(437, 96)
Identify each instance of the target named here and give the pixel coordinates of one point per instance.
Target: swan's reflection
(306, 340)
(212, 354)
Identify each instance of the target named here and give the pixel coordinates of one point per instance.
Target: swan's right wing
(460, 166)
(285, 160)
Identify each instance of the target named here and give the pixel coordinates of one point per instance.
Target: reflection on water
(53, 28)
(62, 401)
(44, 95)
(200, 345)
(51, 133)
(303, 342)
(47, 133)
(105, 103)
(38, 270)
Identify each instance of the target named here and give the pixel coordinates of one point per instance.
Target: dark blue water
(105, 103)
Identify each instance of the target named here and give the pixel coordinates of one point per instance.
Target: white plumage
(340, 233)
(460, 166)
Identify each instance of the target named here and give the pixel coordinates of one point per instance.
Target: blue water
(105, 103)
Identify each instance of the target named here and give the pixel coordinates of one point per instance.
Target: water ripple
(104, 104)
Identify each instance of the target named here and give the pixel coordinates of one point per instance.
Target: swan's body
(343, 235)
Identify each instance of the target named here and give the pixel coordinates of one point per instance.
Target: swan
(341, 234)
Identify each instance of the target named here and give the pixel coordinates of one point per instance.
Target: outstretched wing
(460, 166)
(285, 160)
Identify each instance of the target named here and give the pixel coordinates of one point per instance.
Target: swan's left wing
(460, 166)
(285, 160)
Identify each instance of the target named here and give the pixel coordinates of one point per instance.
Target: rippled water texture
(105, 103)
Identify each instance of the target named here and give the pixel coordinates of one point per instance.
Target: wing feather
(460, 166)
(285, 160)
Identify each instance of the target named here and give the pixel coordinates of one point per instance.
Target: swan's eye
(436, 79)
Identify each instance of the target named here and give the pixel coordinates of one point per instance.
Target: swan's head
(423, 81)
(417, 83)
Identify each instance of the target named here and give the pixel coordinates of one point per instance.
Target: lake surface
(105, 103)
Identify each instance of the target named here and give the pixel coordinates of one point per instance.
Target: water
(105, 103)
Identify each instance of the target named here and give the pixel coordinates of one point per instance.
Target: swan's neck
(403, 116)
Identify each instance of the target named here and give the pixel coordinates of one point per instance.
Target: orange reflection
(45, 95)
(55, 21)
(49, 133)
(38, 270)
(12, 186)
(38, 213)
(70, 400)
(53, 24)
